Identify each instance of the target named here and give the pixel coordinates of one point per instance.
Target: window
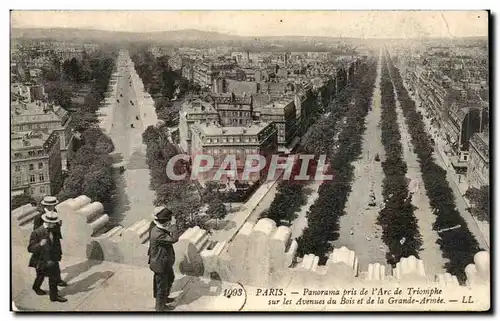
(32, 178)
(40, 165)
(32, 167)
(31, 153)
(18, 168)
(17, 154)
(42, 189)
(18, 181)
(41, 178)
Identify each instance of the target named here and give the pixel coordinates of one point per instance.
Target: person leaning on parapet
(45, 245)
(162, 235)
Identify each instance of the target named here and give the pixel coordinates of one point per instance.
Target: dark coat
(161, 251)
(44, 256)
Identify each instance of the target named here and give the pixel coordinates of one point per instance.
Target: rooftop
(276, 107)
(197, 106)
(29, 140)
(215, 130)
(36, 112)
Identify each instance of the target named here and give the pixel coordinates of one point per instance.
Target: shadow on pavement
(75, 270)
(86, 284)
(201, 289)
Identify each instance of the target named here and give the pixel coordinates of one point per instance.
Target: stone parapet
(86, 233)
(261, 254)
(22, 223)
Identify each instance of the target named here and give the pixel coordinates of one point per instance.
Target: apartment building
(35, 162)
(257, 138)
(233, 110)
(193, 111)
(478, 171)
(39, 116)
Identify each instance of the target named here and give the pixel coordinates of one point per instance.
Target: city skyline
(376, 24)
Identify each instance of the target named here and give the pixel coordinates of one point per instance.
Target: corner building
(258, 138)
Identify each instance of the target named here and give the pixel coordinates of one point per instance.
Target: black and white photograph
(243, 161)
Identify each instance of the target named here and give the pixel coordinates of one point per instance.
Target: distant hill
(64, 34)
(200, 38)
(184, 35)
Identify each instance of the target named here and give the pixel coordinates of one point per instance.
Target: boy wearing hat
(162, 236)
(45, 246)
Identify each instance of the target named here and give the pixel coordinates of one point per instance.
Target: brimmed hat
(50, 201)
(162, 213)
(51, 217)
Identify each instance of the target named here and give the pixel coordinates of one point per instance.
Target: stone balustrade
(22, 223)
(260, 254)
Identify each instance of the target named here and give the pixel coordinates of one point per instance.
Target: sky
(358, 24)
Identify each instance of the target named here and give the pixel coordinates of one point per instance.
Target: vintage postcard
(178, 161)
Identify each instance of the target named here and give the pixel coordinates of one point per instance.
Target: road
(359, 230)
(430, 252)
(481, 233)
(135, 199)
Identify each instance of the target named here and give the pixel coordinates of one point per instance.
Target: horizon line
(236, 35)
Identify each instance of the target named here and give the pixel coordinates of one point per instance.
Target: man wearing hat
(48, 204)
(45, 246)
(162, 236)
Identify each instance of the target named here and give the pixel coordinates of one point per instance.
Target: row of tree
(458, 245)
(397, 218)
(91, 171)
(318, 139)
(94, 70)
(90, 168)
(480, 199)
(290, 196)
(160, 81)
(185, 198)
(180, 196)
(323, 216)
(86, 115)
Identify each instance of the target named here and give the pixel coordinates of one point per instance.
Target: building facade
(44, 117)
(258, 138)
(478, 171)
(283, 114)
(35, 164)
(193, 111)
(233, 110)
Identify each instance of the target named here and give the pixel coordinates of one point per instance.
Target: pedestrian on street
(45, 246)
(163, 234)
(48, 205)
